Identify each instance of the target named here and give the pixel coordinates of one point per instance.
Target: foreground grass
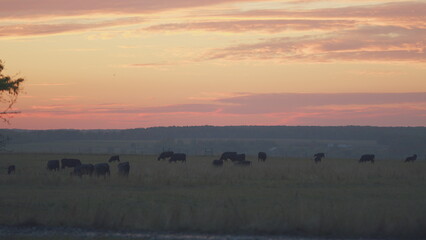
(281, 196)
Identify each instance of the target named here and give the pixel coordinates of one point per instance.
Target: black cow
(261, 156)
(242, 163)
(123, 168)
(411, 158)
(217, 163)
(227, 155)
(367, 158)
(318, 157)
(165, 155)
(102, 169)
(11, 169)
(115, 158)
(53, 165)
(83, 169)
(178, 157)
(238, 157)
(69, 162)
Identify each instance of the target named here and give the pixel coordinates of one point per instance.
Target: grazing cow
(114, 158)
(178, 157)
(242, 163)
(217, 163)
(261, 156)
(83, 169)
(238, 158)
(53, 165)
(318, 157)
(227, 155)
(69, 162)
(11, 169)
(165, 155)
(102, 169)
(411, 158)
(123, 168)
(367, 158)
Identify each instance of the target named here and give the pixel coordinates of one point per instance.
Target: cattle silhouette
(83, 169)
(165, 155)
(318, 157)
(123, 168)
(53, 165)
(11, 169)
(411, 158)
(367, 158)
(227, 156)
(115, 158)
(102, 169)
(217, 163)
(69, 162)
(261, 156)
(238, 158)
(177, 157)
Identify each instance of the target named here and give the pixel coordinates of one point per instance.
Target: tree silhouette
(10, 88)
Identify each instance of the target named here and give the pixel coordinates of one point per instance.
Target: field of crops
(281, 196)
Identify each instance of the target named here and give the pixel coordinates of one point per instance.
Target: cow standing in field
(53, 165)
(238, 158)
(123, 168)
(367, 158)
(83, 169)
(318, 157)
(115, 158)
(102, 169)
(178, 157)
(261, 156)
(217, 163)
(165, 155)
(227, 156)
(69, 162)
(411, 158)
(11, 169)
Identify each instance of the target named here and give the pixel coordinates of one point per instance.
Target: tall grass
(281, 196)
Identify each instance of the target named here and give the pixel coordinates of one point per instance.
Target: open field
(281, 196)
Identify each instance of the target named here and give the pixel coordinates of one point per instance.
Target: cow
(238, 157)
(102, 169)
(115, 158)
(227, 155)
(165, 155)
(83, 169)
(69, 162)
(178, 157)
(242, 163)
(123, 168)
(318, 157)
(261, 156)
(411, 158)
(11, 169)
(367, 158)
(53, 165)
(217, 163)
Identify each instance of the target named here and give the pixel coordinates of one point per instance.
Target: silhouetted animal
(11, 169)
(178, 157)
(242, 163)
(217, 163)
(53, 165)
(318, 157)
(238, 158)
(123, 168)
(367, 158)
(69, 162)
(411, 158)
(165, 155)
(261, 156)
(115, 158)
(227, 155)
(102, 169)
(83, 169)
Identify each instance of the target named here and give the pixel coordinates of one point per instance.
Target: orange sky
(140, 63)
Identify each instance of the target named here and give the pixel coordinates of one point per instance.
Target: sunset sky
(98, 64)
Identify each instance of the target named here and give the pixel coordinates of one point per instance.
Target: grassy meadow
(281, 196)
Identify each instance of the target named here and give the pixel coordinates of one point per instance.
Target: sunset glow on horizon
(104, 64)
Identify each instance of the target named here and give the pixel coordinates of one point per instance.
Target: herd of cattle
(103, 169)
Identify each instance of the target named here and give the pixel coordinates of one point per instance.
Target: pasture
(335, 198)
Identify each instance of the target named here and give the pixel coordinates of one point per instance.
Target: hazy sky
(141, 63)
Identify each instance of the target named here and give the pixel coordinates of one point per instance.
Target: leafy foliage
(9, 91)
